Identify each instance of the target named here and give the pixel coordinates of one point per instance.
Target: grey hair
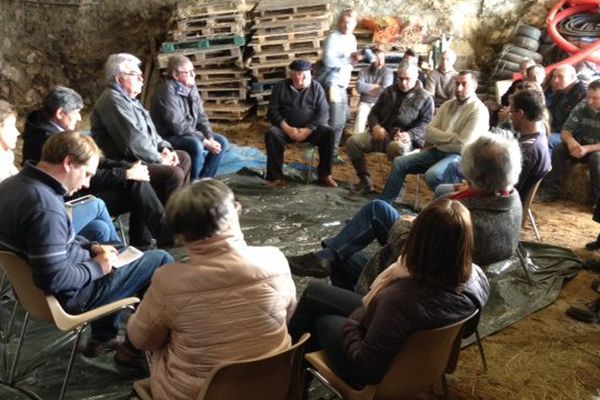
(115, 65)
(176, 62)
(61, 97)
(451, 55)
(492, 163)
(412, 68)
(200, 210)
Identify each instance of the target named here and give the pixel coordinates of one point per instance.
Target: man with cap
(299, 113)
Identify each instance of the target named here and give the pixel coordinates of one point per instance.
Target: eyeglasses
(191, 73)
(133, 73)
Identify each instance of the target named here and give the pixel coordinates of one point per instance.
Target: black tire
(529, 31)
(526, 43)
(502, 74)
(507, 65)
(515, 58)
(545, 38)
(512, 49)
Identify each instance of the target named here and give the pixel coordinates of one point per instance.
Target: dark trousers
(147, 214)
(276, 139)
(322, 311)
(166, 179)
(560, 160)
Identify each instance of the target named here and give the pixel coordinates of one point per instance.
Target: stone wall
(43, 44)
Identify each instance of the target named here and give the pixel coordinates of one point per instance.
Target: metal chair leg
(63, 389)
(523, 261)
(445, 387)
(121, 229)
(535, 228)
(481, 352)
(310, 166)
(11, 321)
(13, 367)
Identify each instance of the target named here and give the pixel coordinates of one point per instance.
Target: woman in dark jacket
(433, 283)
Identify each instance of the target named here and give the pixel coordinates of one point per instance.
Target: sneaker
(309, 265)
(131, 361)
(94, 348)
(590, 314)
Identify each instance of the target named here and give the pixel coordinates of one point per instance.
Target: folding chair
(46, 308)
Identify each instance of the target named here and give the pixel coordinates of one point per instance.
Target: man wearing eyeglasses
(123, 129)
(177, 111)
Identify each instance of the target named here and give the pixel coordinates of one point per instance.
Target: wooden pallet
(266, 7)
(228, 112)
(283, 20)
(222, 83)
(213, 31)
(270, 72)
(298, 24)
(264, 85)
(261, 97)
(219, 74)
(291, 36)
(204, 43)
(211, 9)
(223, 94)
(214, 56)
(265, 58)
(288, 45)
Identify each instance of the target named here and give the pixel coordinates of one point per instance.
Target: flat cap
(300, 65)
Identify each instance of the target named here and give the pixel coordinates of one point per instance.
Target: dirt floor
(545, 356)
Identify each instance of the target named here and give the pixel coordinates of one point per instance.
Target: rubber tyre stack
(524, 46)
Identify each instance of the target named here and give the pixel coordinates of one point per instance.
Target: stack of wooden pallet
(211, 35)
(283, 31)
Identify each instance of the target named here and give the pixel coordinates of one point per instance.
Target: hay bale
(575, 184)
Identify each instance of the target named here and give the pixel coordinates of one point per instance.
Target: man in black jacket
(122, 185)
(299, 113)
(397, 123)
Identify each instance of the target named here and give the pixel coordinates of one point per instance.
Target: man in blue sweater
(35, 225)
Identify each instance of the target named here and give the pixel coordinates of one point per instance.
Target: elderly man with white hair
(567, 91)
(491, 165)
(123, 129)
(441, 82)
(397, 123)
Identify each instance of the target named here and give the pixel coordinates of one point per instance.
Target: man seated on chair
(177, 111)
(397, 123)
(527, 113)
(228, 302)
(580, 143)
(566, 92)
(122, 185)
(491, 165)
(123, 129)
(458, 122)
(34, 224)
(371, 82)
(441, 82)
(299, 113)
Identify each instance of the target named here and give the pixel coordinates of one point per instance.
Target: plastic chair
(47, 308)
(424, 357)
(275, 376)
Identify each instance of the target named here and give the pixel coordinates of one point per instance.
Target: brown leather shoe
(327, 181)
(277, 183)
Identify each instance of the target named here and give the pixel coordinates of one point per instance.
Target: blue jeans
(130, 280)
(92, 221)
(432, 162)
(322, 311)
(338, 115)
(204, 163)
(372, 222)
(554, 140)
